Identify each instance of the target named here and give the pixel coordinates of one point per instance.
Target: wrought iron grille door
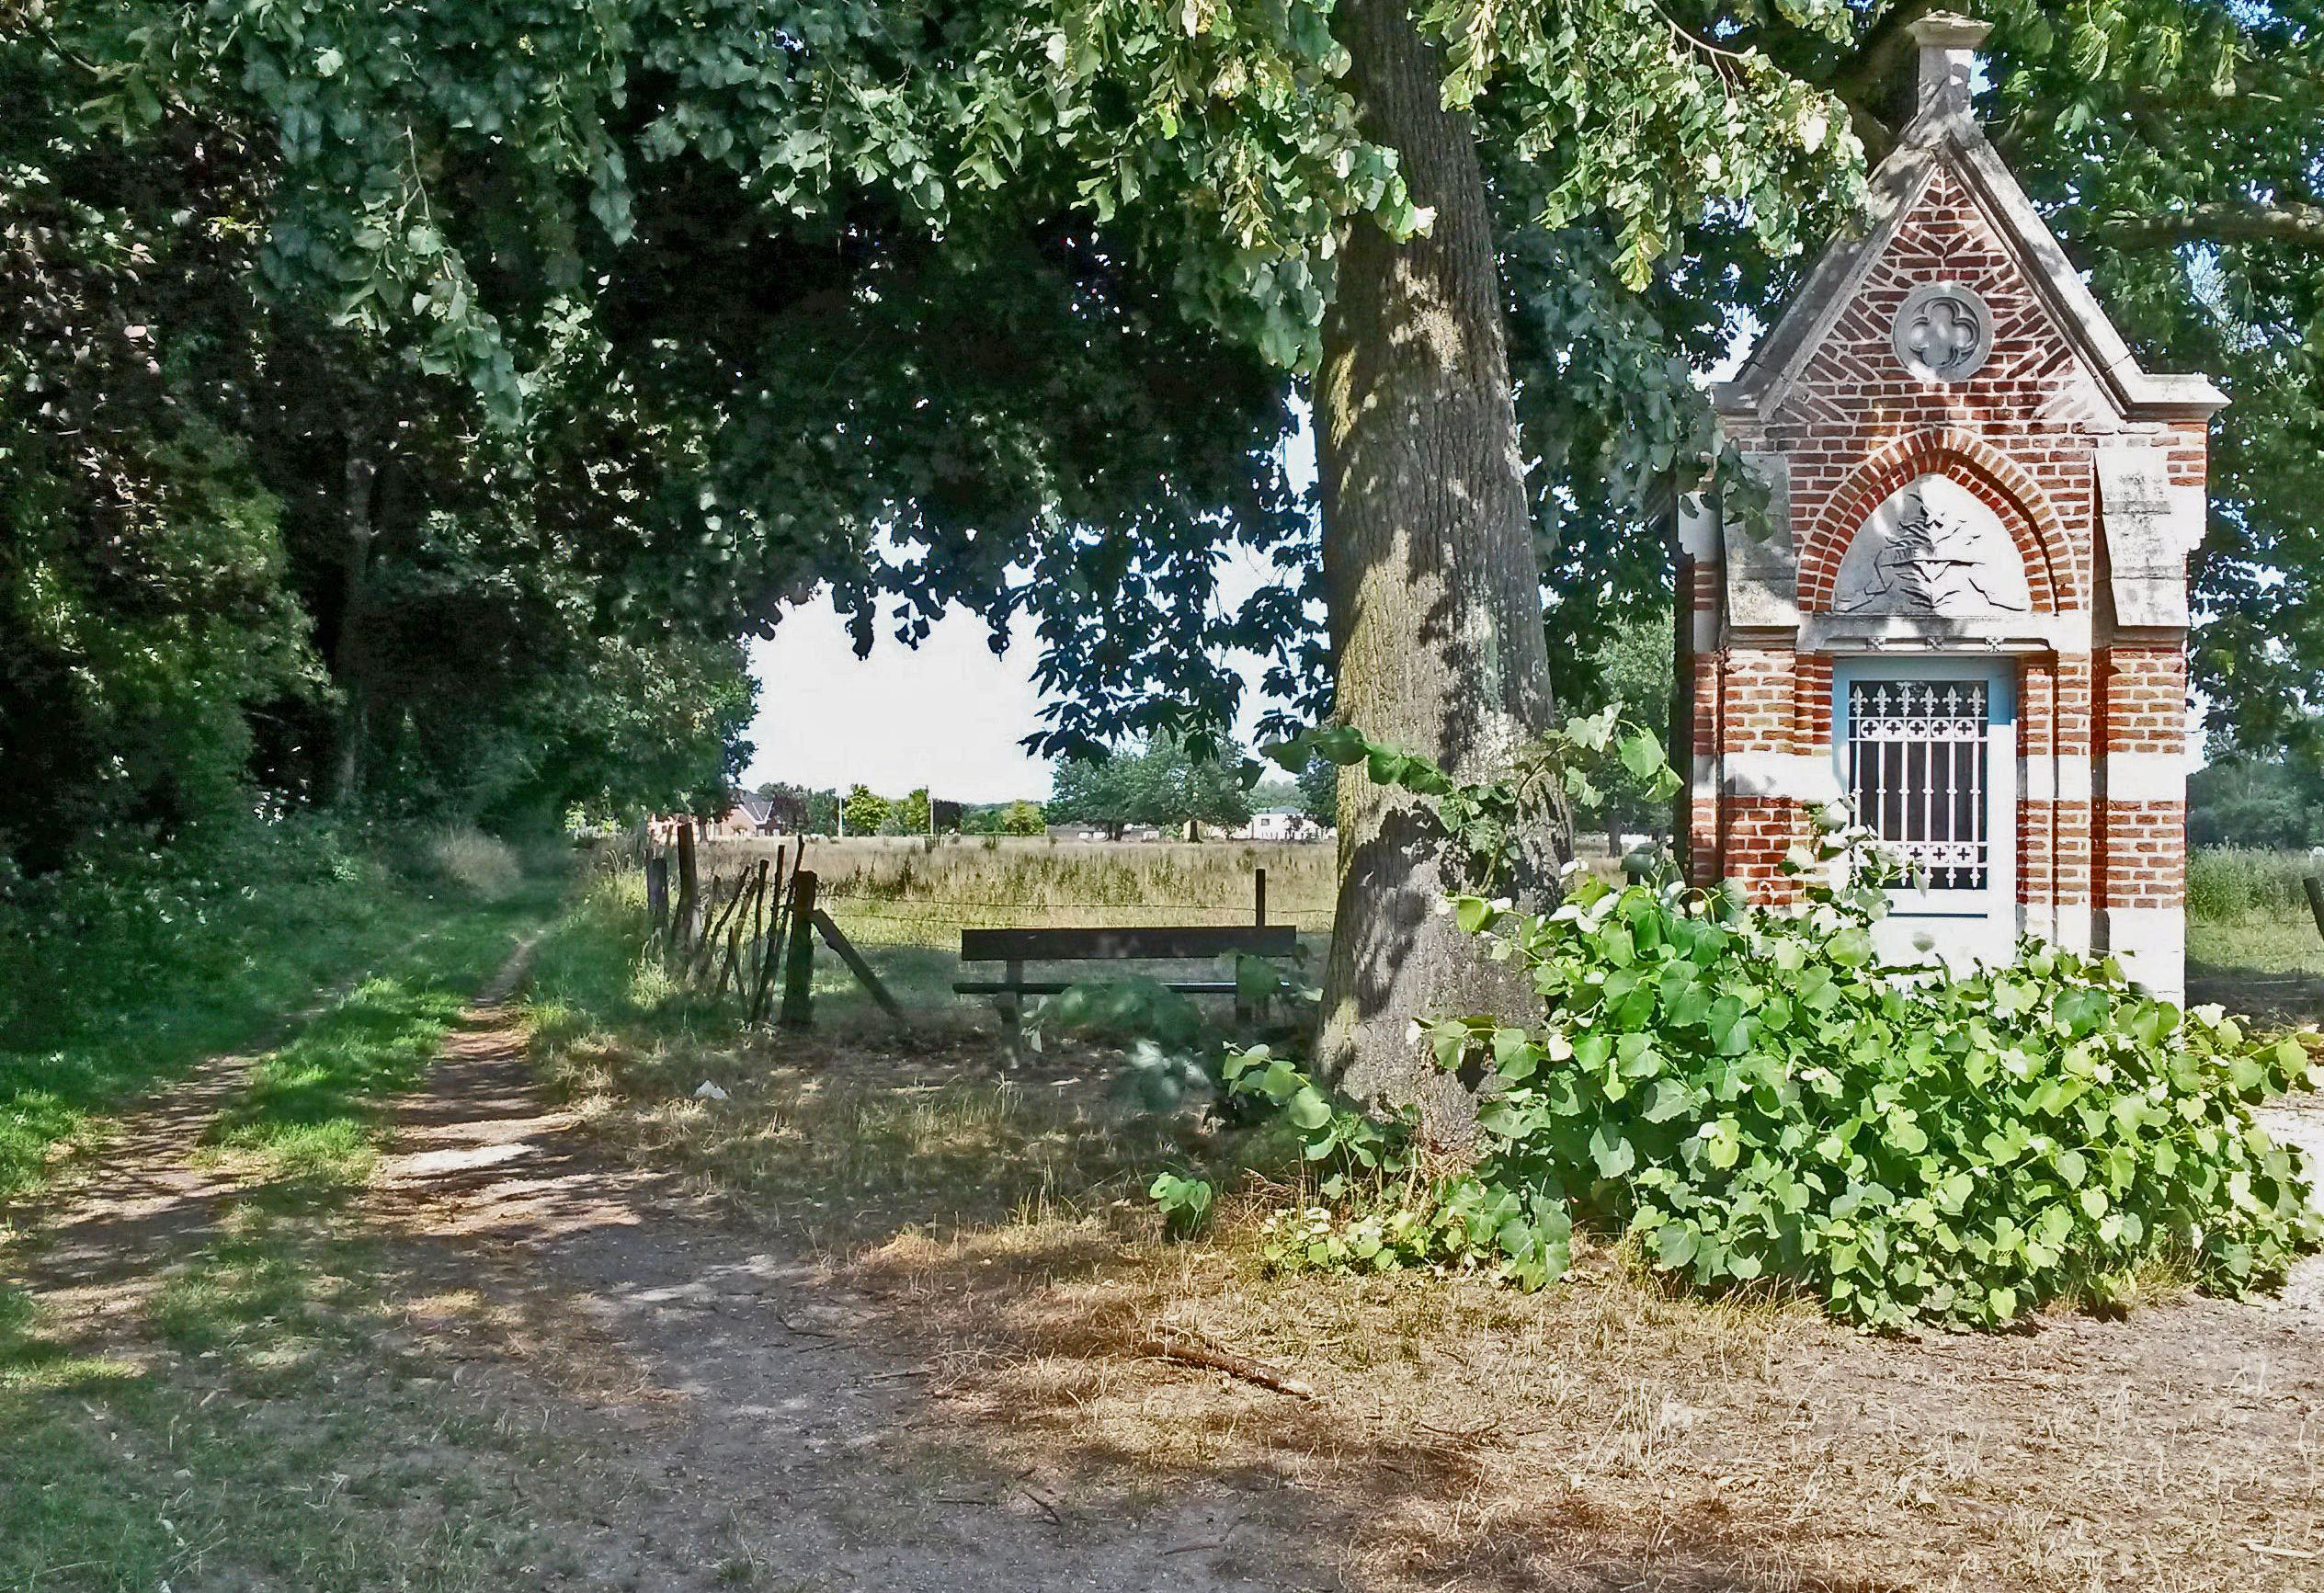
(1920, 770)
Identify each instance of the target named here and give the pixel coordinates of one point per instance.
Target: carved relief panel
(1932, 549)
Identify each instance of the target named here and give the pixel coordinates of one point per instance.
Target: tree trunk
(350, 659)
(1434, 589)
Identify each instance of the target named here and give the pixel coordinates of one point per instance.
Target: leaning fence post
(657, 896)
(690, 884)
(799, 967)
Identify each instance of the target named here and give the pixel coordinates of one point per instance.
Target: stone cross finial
(1947, 44)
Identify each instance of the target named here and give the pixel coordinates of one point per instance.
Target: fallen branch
(1185, 1349)
(2272, 1549)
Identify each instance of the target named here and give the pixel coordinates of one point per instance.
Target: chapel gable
(1962, 605)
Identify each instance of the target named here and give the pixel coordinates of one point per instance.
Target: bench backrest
(1094, 945)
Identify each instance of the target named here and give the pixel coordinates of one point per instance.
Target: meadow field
(2252, 941)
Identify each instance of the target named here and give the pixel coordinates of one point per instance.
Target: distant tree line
(799, 809)
(2273, 803)
(1162, 783)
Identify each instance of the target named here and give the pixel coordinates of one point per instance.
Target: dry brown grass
(966, 880)
(1606, 1433)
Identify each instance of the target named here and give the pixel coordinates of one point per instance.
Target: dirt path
(738, 1423)
(2299, 1120)
(141, 1192)
(774, 1432)
(718, 1414)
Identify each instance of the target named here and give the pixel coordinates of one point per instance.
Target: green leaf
(1515, 1057)
(1309, 1110)
(1722, 1143)
(1670, 1099)
(1850, 948)
(1612, 1153)
(1642, 754)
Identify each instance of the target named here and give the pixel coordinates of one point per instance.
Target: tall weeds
(1033, 880)
(2226, 884)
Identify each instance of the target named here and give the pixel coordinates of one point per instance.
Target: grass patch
(2228, 885)
(926, 891)
(310, 1111)
(114, 984)
(845, 1134)
(258, 1449)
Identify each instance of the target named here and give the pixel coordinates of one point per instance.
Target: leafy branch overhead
(993, 303)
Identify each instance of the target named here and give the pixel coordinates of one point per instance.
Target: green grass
(268, 1451)
(118, 979)
(851, 1132)
(310, 1111)
(264, 1434)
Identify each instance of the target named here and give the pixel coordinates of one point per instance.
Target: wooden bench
(1015, 948)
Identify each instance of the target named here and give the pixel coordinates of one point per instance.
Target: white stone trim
(1704, 624)
(2054, 779)
(2074, 926)
(2152, 945)
(1762, 573)
(2061, 924)
(2145, 777)
(2067, 634)
(1699, 529)
(2150, 527)
(1804, 776)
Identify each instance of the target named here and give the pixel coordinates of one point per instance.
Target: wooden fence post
(799, 966)
(689, 888)
(657, 896)
(1259, 897)
(2315, 888)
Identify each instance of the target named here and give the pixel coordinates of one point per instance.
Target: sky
(948, 715)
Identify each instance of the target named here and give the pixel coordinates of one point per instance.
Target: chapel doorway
(1927, 753)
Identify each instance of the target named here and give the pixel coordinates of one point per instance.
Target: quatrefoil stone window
(1943, 332)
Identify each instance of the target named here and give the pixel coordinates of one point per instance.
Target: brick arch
(2001, 482)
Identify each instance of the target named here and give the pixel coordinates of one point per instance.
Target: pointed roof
(1944, 135)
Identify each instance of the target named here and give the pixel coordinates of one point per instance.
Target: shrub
(473, 863)
(1750, 1094)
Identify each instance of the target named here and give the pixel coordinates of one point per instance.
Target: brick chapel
(1967, 608)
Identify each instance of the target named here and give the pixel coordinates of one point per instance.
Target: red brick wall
(2141, 847)
(1853, 429)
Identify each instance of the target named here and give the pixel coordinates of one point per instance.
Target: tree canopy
(1161, 784)
(570, 341)
(1164, 783)
(242, 542)
(1003, 304)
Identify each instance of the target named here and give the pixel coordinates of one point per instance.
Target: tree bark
(1432, 586)
(350, 659)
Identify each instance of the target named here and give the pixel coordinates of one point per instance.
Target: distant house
(1281, 825)
(748, 815)
(1085, 830)
(787, 812)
